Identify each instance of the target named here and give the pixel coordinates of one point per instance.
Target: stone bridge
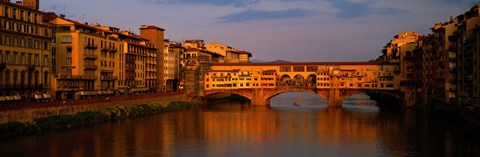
(333, 81)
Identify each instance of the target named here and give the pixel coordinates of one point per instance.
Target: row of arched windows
(22, 78)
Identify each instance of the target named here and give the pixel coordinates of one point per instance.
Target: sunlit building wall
(155, 35)
(86, 59)
(173, 51)
(138, 58)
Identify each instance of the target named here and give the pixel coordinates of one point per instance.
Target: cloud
(350, 9)
(236, 3)
(249, 15)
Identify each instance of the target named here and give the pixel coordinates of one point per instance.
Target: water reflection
(233, 129)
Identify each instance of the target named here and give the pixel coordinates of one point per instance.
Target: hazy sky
(295, 30)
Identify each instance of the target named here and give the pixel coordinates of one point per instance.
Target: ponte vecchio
(333, 81)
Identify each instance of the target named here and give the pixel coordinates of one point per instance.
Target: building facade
(86, 59)
(156, 37)
(140, 64)
(173, 51)
(25, 43)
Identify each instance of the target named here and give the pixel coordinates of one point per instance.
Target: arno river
(231, 129)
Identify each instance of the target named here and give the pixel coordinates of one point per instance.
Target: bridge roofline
(301, 63)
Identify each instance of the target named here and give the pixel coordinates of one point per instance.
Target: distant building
(25, 43)
(229, 54)
(173, 51)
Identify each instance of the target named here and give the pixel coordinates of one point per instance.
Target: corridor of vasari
(240, 78)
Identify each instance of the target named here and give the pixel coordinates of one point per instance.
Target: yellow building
(229, 54)
(86, 59)
(392, 53)
(25, 43)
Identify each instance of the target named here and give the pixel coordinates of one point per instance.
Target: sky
(293, 30)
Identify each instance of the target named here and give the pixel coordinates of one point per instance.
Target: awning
(38, 96)
(17, 97)
(9, 97)
(2, 98)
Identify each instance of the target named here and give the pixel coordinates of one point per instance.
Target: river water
(232, 129)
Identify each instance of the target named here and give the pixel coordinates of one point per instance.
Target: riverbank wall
(29, 112)
(57, 122)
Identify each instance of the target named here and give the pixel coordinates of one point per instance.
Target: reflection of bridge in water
(333, 81)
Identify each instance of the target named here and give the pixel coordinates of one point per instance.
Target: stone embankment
(30, 111)
(30, 120)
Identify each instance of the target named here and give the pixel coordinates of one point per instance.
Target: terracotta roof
(47, 16)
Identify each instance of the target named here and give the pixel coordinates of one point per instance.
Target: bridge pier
(259, 98)
(334, 99)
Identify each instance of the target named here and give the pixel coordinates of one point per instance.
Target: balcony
(113, 49)
(31, 67)
(76, 77)
(90, 46)
(91, 67)
(453, 81)
(452, 60)
(452, 48)
(452, 89)
(452, 38)
(108, 77)
(90, 56)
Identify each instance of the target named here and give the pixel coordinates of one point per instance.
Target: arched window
(36, 78)
(45, 78)
(15, 78)
(22, 79)
(7, 77)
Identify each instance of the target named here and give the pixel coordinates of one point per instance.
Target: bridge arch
(298, 80)
(285, 79)
(312, 80)
(243, 94)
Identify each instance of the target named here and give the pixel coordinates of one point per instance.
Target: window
(45, 60)
(14, 13)
(67, 39)
(21, 15)
(6, 12)
(69, 50)
(7, 40)
(37, 60)
(35, 44)
(7, 57)
(69, 61)
(15, 58)
(22, 59)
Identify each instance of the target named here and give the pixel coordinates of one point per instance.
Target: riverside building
(25, 43)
